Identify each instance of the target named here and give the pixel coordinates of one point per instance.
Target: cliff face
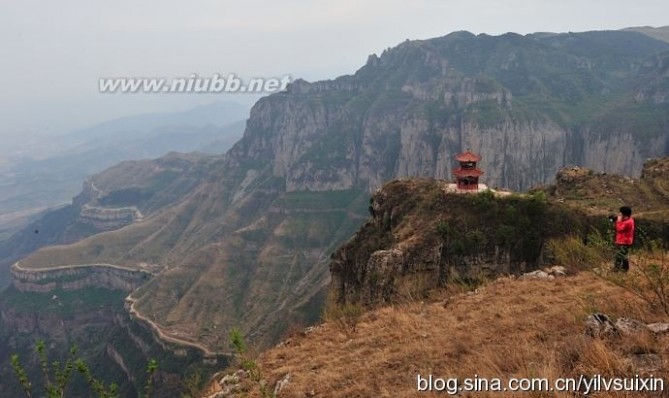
(105, 219)
(333, 149)
(77, 278)
(529, 105)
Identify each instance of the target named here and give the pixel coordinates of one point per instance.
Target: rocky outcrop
(106, 219)
(89, 193)
(601, 325)
(78, 277)
(421, 237)
(546, 274)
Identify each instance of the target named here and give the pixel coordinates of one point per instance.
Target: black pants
(621, 261)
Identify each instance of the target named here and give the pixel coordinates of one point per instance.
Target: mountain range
(41, 174)
(245, 239)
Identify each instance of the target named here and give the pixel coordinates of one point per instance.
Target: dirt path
(164, 336)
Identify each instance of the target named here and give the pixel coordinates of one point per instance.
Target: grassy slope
(259, 266)
(508, 328)
(661, 33)
(604, 193)
(274, 251)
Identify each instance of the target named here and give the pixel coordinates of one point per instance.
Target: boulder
(658, 328)
(600, 325)
(538, 274)
(630, 327)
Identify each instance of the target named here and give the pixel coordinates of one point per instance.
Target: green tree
(247, 363)
(57, 377)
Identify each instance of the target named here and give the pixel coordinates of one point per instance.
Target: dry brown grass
(648, 278)
(508, 328)
(602, 194)
(108, 247)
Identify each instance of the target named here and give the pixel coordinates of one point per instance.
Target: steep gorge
(84, 307)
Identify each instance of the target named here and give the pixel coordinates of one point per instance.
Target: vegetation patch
(319, 200)
(63, 302)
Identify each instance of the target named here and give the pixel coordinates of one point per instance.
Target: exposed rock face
(546, 273)
(105, 219)
(409, 111)
(93, 212)
(601, 325)
(79, 277)
(318, 147)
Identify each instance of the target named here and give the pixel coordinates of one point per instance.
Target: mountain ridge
(660, 33)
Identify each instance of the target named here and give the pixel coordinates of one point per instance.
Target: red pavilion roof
(468, 157)
(467, 172)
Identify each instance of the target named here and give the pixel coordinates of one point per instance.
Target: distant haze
(54, 52)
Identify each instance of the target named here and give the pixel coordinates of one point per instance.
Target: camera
(612, 218)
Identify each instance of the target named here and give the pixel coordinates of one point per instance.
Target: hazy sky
(53, 52)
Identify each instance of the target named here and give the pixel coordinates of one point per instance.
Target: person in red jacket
(624, 227)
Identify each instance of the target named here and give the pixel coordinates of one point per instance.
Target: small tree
(648, 279)
(247, 363)
(57, 377)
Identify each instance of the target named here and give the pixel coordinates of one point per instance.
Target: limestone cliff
(70, 278)
(529, 105)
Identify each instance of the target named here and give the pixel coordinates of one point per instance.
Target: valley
(335, 192)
